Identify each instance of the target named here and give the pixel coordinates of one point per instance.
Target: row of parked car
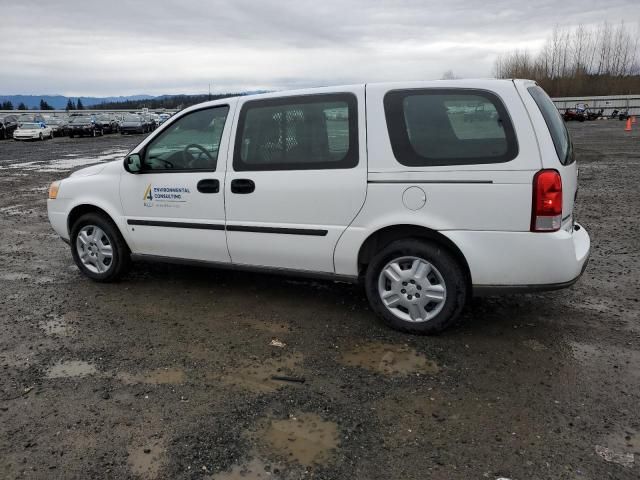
(38, 126)
(582, 112)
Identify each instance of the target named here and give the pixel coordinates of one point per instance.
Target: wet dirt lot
(167, 374)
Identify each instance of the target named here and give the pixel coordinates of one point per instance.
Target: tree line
(578, 61)
(8, 105)
(166, 102)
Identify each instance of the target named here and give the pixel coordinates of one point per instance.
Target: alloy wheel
(412, 289)
(94, 249)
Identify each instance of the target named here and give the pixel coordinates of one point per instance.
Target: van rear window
(555, 124)
(435, 127)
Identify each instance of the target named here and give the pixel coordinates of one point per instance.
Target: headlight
(53, 190)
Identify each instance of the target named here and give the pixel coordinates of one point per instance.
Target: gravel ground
(167, 374)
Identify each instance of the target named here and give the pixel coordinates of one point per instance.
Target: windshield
(131, 118)
(81, 120)
(29, 126)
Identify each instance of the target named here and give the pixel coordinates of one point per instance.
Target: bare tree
(580, 61)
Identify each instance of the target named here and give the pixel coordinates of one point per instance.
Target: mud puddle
(389, 359)
(255, 469)
(146, 461)
(71, 369)
(68, 162)
(161, 376)
(304, 438)
(57, 326)
(256, 376)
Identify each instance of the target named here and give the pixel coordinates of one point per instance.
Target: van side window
(189, 143)
(449, 127)
(555, 124)
(297, 133)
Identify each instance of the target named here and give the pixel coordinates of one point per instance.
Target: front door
(296, 179)
(175, 206)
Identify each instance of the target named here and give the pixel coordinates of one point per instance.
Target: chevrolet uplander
(427, 192)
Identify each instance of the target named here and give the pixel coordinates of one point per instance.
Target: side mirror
(133, 163)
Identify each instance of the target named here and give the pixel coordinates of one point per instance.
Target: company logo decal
(165, 196)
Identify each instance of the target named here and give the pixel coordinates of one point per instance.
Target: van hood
(88, 171)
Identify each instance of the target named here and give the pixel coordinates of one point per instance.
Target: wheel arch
(382, 237)
(77, 211)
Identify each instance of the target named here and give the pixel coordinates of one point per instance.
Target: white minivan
(427, 192)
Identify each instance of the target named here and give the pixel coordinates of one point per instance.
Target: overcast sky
(117, 47)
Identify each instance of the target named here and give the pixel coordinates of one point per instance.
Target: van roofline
(466, 82)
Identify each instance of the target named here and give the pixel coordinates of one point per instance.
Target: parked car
(8, 124)
(396, 191)
(573, 115)
(59, 126)
(81, 125)
(132, 123)
(623, 115)
(31, 117)
(163, 117)
(108, 122)
(32, 131)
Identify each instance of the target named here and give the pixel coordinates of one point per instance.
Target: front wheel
(98, 249)
(416, 286)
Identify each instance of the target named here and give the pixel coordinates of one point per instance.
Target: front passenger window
(189, 143)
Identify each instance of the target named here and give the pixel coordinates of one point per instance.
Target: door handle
(242, 185)
(209, 185)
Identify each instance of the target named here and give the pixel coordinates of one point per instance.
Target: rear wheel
(98, 249)
(416, 286)
(40, 137)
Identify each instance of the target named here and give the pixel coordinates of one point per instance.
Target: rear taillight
(546, 208)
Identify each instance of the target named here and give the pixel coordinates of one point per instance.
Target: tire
(437, 274)
(110, 236)
(71, 135)
(40, 137)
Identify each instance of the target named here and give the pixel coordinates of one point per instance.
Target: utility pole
(209, 92)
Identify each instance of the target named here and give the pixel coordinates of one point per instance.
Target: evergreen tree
(7, 105)
(22, 106)
(44, 105)
(70, 105)
(79, 105)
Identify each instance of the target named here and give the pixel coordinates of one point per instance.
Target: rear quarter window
(434, 127)
(555, 124)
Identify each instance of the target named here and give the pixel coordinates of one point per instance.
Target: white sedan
(32, 131)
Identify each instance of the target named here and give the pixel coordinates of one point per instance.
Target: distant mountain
(59, 102)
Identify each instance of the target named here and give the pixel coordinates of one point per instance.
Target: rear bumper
(487, 290)
(502, 262)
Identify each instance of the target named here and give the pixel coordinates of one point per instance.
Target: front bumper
(81, 130)
(26, 137)
(57, 213)
(139, 129)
